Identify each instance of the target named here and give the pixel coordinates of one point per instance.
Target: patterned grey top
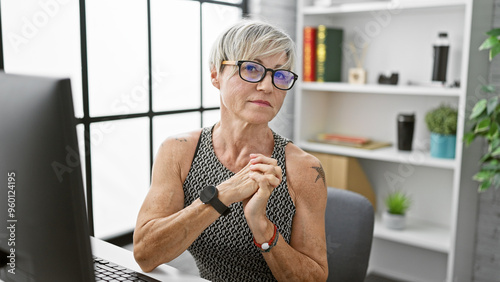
(225, 250)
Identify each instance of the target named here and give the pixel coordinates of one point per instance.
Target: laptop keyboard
(110, 272)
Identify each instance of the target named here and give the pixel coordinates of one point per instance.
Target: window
(139, 73)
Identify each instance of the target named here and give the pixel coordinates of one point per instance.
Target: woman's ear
(215, 77)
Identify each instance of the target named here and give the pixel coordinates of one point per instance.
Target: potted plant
(442, 123)
(397, 203)
(485, 119)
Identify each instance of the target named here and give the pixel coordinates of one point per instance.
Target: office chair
(349, 222)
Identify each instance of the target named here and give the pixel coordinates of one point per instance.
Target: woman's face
(254, 103)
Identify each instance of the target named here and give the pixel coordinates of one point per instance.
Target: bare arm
(164, 227)
(304, 259)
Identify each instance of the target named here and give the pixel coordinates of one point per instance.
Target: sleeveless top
(225, 250)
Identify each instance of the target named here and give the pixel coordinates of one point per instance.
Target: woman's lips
(262, 103)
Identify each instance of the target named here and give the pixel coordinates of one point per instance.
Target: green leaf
(493, 144)
(488, 88)
(478, 108)
(495, 135)
(492, 105)
(497, 118)
(485, 158)
(492, 166)
(483, 125)
(482, 175)
(494, 32)
(469, 137)
(495, 50)
(494, 128)
(496, 152)
(493, 131)
(484, 186)
(489, 43)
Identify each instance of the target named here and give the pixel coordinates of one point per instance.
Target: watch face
(208, 193)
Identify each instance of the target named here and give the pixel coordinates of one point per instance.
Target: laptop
(44, 233)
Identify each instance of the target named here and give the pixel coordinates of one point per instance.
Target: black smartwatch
(209, 196)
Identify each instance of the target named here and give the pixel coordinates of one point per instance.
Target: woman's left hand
(267, 174)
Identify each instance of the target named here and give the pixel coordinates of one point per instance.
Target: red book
(309, 64)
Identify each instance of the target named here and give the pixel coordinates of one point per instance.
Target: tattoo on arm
(321, 173)
(181, 139)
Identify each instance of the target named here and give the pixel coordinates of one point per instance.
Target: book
(328, 54)
(309, 56)
(372, 145)
(350, 141)
(342, 138)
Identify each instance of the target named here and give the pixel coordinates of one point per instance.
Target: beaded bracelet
(272, 244)
(266, 247)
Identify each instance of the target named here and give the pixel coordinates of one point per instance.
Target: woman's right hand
(259, 177)
(238, 188)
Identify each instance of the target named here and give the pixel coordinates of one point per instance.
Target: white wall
(281, 13)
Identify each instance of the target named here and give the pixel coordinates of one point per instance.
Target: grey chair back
(349, 223)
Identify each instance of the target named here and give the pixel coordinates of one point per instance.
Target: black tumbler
(406, 126)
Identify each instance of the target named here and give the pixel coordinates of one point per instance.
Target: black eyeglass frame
(239, 63)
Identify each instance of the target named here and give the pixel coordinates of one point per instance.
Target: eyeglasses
(254, 72)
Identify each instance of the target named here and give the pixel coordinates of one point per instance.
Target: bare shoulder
(177, 151)
(178, 144)
(305, 175)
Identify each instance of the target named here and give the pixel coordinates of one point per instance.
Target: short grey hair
(248, 40)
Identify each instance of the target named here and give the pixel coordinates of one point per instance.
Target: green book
(328, 54)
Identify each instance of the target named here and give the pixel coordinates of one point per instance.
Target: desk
(126, 259)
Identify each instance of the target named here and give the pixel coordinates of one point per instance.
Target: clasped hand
(253, 186)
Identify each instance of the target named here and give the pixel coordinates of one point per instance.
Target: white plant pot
(394, 221)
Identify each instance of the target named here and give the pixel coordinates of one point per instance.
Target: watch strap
(219, 206)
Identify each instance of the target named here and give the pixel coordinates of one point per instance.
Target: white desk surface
(126, 259)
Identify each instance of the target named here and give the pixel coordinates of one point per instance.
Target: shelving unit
(418, 233)
(371, 6)
(389, 154)
(438, 244)
(381, 89)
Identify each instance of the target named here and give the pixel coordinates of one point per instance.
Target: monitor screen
(44, 233)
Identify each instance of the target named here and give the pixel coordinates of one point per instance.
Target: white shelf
(389, 154)
(394, 5)
(417, 233)
(381, 89)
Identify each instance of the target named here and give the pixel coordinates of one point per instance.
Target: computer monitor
(43, 225)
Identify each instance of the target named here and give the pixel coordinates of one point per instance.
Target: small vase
(394, 221)
(357, 76)
(443, 146)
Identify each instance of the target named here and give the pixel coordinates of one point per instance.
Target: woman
(249, 205)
